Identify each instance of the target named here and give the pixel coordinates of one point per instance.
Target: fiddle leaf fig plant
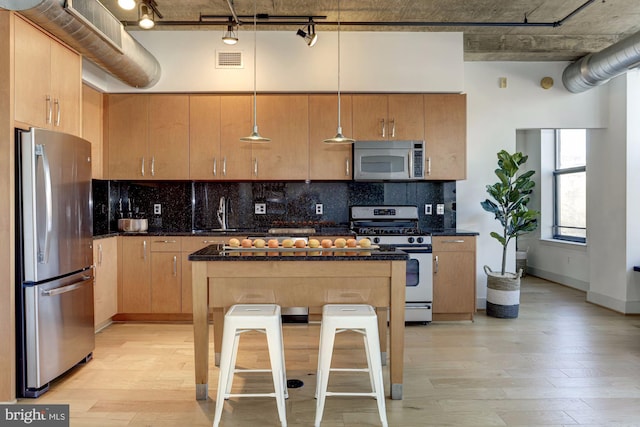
(510, 195)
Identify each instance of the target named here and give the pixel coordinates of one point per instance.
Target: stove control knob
(376, 240)
(410, 239)
(420, 240)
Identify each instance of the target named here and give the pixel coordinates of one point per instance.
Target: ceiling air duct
(88, 27)
(597, 68)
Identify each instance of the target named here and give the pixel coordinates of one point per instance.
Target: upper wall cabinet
(445, 118)
(92, 129)
(148, 136)
(216, 124)
(285, 120)
(388, 117)
(48, 81)
(329, 161)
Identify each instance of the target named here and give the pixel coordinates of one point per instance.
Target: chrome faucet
(222, 213)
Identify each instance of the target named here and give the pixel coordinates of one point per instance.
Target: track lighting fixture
(127, 4)
(310, 37)
(145, 16)
(230, 36)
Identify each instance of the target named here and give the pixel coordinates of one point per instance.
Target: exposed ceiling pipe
(597, 68)
(134, 65)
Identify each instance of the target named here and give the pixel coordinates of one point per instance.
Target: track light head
(145, 16)
(230, 37)
(310, 37)
(127, 4)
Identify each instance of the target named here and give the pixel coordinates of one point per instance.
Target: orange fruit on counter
(246, 243)
(287, 243)
(300, 243)
(234, 243)
(259, 243)
(340, 242)
(365, 243)
(352, 243)
(326, 243)
(273, 243)
(314, 243)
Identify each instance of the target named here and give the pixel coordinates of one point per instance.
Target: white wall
(494, 116)
(370, 61)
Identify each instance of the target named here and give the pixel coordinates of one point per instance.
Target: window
(570, 185)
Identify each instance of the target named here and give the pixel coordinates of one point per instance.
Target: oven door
(419, 292)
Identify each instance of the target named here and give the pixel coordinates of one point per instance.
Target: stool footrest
(250, 395)
(336, 393)
(251, 370)
(349, 370)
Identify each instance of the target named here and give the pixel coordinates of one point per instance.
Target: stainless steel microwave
(388, 160)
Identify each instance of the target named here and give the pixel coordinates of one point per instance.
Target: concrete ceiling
(494, 30)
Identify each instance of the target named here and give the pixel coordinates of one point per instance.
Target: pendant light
(339, 138)
(255, 135)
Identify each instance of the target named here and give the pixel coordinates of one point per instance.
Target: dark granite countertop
(324, 231)
(217, 253)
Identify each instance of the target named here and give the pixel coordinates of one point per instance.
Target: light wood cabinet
(166, 275)
(148, 136)
(205, 162)
(284, 119)
(92, 119)
(445, 121)
(105, 258)
(385, 117)
(236, 121)
(48, 81)
(454, 277)
(329, 161)
(135, 292)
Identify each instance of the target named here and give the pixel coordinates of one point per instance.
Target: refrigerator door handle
(67, 288)
(43, 253)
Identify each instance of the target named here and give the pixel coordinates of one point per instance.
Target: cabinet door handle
(428, 165)
(175, 265)
(165, 241)
(347, 171)
(215, 164)
(56, 102)
(49, 110)
(393, 128)
(144, 250)
(209, 241)
(435, 259)
(153, 165)
(255, 166)
(142, 166)
(453, 241)
(384, 128)
(99, 253)
(224, 166)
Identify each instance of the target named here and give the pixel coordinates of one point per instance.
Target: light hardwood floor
(563, 362)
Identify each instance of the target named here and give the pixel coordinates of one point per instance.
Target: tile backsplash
(187, 206)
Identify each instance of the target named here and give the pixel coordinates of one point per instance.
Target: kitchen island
(221, 278)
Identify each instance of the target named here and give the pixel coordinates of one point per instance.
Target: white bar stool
(242, 318)
(361, 318)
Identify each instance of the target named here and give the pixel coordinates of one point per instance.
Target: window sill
(563, 243)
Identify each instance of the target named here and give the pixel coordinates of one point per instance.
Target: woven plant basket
(503, 294)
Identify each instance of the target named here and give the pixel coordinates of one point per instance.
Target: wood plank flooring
(563, 362)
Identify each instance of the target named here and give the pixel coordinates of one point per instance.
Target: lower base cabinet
(454, 277)
(105, 295)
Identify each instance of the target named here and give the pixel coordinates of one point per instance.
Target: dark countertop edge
(636, 268)
(105, 236)
(212, 253)
(452, 232)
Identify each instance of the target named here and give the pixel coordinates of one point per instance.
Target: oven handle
(410, 250)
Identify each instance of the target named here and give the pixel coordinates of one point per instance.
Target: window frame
(558, 172)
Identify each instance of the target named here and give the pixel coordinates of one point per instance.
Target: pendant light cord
(339, 125)
(255, 48)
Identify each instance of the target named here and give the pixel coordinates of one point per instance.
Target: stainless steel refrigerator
(54, 273)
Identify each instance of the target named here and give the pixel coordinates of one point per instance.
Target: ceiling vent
(229, 59)
(99, 19)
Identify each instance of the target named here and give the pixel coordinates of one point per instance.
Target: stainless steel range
(397, 226)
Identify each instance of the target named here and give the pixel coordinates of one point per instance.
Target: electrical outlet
(319, 209)
(428, 209)
(440, 209)
(157, 209)
(260, 208)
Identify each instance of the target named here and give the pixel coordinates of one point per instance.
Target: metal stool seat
(242, 318)
(361, 318)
